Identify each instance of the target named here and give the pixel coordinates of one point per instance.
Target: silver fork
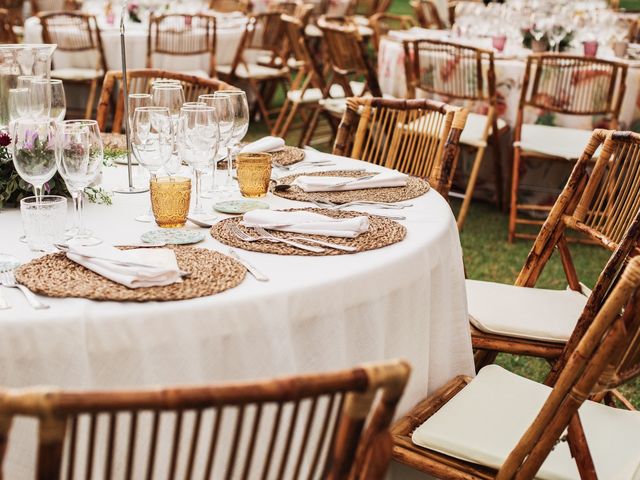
(335, 246)
(381, 205)
(245, 237)
(8, 279)
(313, 163)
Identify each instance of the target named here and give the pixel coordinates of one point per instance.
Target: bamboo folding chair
(330, 425)
(416, 137)
(560, 85)
(7, 34)
(178, 35)
(141, 81)
(383, 23)
(76, 33)
(287, 7)
(367, 8)
(228, 6)
(263, 36)
(467, 74)
(39, 6)
(502, 426)
(601, 203)
(14, 9)
(427, 14)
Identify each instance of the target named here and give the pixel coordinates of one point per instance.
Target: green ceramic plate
(171, 236)
(240, 206)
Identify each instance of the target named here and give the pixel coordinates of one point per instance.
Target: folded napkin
(306, 222)
(332, 184)
(155, 267)
(266, 144)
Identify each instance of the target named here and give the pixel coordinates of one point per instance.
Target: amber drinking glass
(254, 173)
(170, 197)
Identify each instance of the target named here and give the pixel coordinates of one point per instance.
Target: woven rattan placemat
(382, 232)
(285, 157)
(55, 275)
(415, 187)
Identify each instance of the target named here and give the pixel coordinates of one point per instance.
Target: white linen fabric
(306, 222)
(484, 421)
(562, 142)
(389, 178)
(266, 144)
(154, 267)
(315, 314)
(522, 312)
(473, 131)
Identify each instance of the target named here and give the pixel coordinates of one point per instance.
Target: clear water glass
(240, 127)
(171, 96)
(19, 103)
(224, 111)
(43, 221)
(48, 98)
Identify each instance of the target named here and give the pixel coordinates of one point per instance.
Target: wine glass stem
(213, 173)
(198, 207)
(37, 190)
(78, 206)
(229, 165)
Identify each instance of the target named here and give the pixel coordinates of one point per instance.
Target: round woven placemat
(414, 188)
(285, 157)
(55, 275)
(382, 232)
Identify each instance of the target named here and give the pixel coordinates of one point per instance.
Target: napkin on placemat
(306, 222)
(154, 267)
(333, 184)
(266, 144)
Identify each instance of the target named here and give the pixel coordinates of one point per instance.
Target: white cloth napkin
(157, 267)
(306, 222)
(266, 144)
(331, 184)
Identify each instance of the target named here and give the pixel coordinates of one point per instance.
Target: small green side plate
(171, 236)
(236, 207)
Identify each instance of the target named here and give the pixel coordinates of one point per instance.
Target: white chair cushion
(78, 74)
(314, 95)
(531, 313)
(474, 130)
(484, 422)
(253, 70)
(197, 73)
(568, 143)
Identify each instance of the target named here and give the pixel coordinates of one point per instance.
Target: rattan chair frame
(7, 35)
(606, 356)
(181, 42)
(14, 8)
(358, 446)
(228, 6)
(68, 6)
(427, 14)
(534, 95)
(417, 137)
(478, 84)
(139, 81)
(91, 41)
(380, 25)
(367, 8)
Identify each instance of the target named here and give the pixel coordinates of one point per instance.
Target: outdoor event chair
(180, 35)
(416, 137)
(328, 425)
(76, 33)
(7, 34)
(383, 23)
(427, 14)
(228, 6)
(500, 425)
(111, 102)
(39, 6)
(561, 86)
(466, 74)
(363, 10)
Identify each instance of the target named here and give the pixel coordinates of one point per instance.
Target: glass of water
(44, 221)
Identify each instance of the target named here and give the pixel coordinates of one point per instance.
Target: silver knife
(250, 268)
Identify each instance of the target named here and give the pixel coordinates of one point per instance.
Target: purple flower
(5, 139)
(47, 188)
(30, 137)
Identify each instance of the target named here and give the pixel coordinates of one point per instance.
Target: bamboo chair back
(348, 55)
(284, 6)
(308, 74)
(367, 8)
(332, 425)
(38, 6)
(427, 14)
(14, 8)
(417, 137)
(140, 81)
(383, 23)
(607, 356)
(264, 33)
(181, 34)
(75, 32)
(6, 31)
(572, 85)
(227, 6)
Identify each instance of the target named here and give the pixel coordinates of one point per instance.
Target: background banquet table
(317, 313)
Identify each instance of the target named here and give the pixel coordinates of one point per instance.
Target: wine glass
(48, 98)
(19, 103)
(34, 151)
(151, 142)
(240, 126)
(198, 140)
(170, 96)
(79, 162)
(224, 111)
(137, 100)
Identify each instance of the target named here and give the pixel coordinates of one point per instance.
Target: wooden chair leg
(497, 166)
(92, 98)
(471, 185)
(289, 120)
(580, 450)
(482, 358)
(277, 128)
(515, 183)
(305, 138)
(264, 111)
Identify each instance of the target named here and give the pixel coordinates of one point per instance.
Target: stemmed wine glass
(137, 100)
(48, 98)
(240, 126)
(19, 103)
(79, 162)
(171, 96)
(151, 142)
(198, 140)
(225, 114)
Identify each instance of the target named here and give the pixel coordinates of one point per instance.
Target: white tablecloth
(317, 313)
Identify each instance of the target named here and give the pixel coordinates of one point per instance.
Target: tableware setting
(237, 207)
(283, 156)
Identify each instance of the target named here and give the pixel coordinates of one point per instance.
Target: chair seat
(474, 129)
(76, 74)
(521, 312)
(253, 71)
(485, 420)
(314, 95)
(567, 143)
(337, 106)
(197, 73)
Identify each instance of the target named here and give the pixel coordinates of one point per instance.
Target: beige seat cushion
(531, 313)
(560, 142)
(77, 74)
(485, 420)
(474, 130)
(253, 70)
(313, 95)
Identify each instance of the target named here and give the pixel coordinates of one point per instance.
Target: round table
(315, 314)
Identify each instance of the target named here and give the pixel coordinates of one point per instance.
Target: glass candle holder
(170, 197)
(254, 174)
(43, 221)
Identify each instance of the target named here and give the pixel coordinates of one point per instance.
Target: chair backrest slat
(427, 14)
(383, 23)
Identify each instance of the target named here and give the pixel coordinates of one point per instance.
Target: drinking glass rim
(33, 200)
(50, 81)
(197, 108)
(80, 121)
(168, 86)
(140, 95)
(225, 93)
(152, 108)
(19, 89)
